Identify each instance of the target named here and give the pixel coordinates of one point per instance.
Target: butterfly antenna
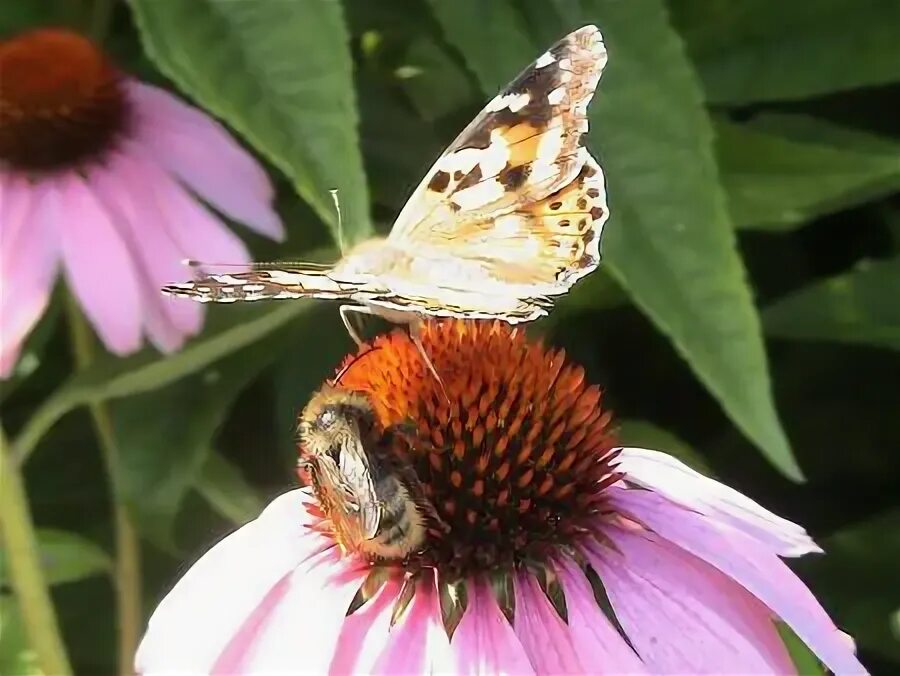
(340, 220)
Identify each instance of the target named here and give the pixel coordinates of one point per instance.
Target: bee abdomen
(401, 530)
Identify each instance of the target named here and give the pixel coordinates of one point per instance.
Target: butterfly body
(508, 218)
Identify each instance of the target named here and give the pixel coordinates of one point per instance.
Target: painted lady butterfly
(508, 218)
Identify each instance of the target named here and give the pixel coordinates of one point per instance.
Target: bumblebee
(362, 477)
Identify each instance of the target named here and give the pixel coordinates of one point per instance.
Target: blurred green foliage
(746, 317)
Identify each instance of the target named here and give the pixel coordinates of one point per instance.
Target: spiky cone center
(513, 451)
(62, 102)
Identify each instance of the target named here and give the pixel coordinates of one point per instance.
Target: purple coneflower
(97, 172)
(565, 553)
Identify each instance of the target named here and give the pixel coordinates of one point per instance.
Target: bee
(362, 478)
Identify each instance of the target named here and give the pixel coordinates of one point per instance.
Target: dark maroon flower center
(61, 101)
(513, 452)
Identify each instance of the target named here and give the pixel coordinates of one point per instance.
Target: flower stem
(127, 570)
(27, 577)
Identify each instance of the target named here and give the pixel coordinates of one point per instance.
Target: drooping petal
(203, 154)
(750, 563)
(670, 477)
(193, 229)
(681, 615)
(597, 643)
(121, 186)
(301, 631)
(417, 643)
(207, 608)
(365, 632)
(485, 642)
(99, 267)
(543, 634)
(29, 253)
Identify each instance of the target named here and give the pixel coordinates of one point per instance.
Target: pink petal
(99, 267)
(233, 659)
(750, 564)
(203, 154)
(484, 642)
(303, 628)
(543, 634)
(670, 477)
(29, 251)
(595, 639)
(192, 227)
(418, 643)
(209, 606)
(118, 184)
(365, 633)
(681, 615)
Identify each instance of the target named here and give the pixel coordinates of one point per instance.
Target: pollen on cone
(512, 455)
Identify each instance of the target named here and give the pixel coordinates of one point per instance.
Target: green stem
(23, 557)
(127, 571)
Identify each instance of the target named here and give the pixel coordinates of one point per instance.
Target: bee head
(332, 415)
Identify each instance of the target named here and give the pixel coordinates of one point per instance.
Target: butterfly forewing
(509, 216)
(523, 146)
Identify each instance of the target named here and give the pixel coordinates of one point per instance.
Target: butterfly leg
(345, 311)
(415, 333)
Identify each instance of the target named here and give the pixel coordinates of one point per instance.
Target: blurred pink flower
(98, 176)
(691, 569)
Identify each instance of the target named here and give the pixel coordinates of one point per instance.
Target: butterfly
(507, 219)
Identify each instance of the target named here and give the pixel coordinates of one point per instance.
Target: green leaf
(758, 50)
(229, 329)
(440, 85)
(398, 144)
(860, 306)
(779, 179)
(165, 436)
(804, 659)
(223, 486)
(281, 74)
(65, 557)
(490, 36)
(16, 656)
(857, 581)
(670, 242)
(645, 434)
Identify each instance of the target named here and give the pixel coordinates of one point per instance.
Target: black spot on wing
(439, 181)
(512, 177)
(537, 83)
(596, 212)
(470, 179)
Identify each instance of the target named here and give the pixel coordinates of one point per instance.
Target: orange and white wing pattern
(516, 202)
(507, 218)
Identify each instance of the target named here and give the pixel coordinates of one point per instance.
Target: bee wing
(356, 478)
